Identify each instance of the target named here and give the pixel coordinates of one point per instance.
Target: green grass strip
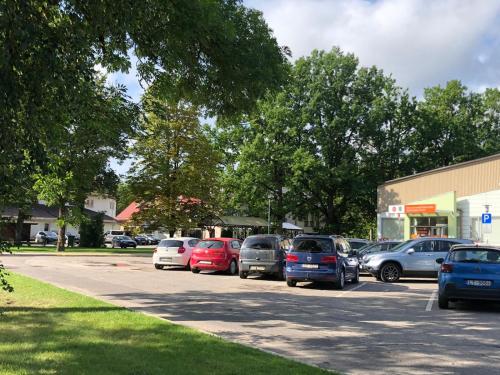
(48, 330)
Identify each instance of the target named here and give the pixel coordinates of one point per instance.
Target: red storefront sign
(420, 209)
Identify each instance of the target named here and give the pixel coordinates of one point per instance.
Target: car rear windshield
(170, 243)
(260, 243)
(210, 244)
(126, 238)
(476, 255)
(313, 245)
(355, 245)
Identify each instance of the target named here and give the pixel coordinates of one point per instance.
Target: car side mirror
(439, 260)
(410, 251)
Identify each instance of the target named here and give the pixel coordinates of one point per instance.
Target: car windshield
(170, 243)
(367, 248)
(313, 245)
(210, 244)
(126, 238)
(400, 246)
(357, 245)
(476, 255)
(260, 243)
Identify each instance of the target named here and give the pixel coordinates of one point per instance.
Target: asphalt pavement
(370, 327)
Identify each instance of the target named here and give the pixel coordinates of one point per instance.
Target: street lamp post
(269, 216)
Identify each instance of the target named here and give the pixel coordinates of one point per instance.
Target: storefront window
(429, 226)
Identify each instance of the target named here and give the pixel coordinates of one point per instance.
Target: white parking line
(431, 301)
(350, 290)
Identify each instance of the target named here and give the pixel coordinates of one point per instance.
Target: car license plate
(257, 268)
(165, 259)
(205, 262)
(478, 282)
(309, 266)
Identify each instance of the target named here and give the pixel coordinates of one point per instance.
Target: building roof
(443, 169)
(127, 213)
(41, 211)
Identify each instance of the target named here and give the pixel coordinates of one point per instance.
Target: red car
(216, 254)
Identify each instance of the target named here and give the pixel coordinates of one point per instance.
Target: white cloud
(421, 42)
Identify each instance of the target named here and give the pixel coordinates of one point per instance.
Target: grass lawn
(48, 330)
(107, 250)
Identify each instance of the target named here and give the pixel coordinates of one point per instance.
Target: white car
(174, 252)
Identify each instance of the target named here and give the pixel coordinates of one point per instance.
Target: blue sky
(421, 43)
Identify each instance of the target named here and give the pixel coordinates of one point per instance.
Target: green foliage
(175, 176)
(92, 231)
(124, 196)
(4, 283)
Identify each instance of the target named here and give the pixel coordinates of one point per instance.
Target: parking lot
(371, 327)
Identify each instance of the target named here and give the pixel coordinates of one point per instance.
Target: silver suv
(413, 258)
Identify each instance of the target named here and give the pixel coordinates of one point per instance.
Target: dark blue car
(321, 258)
(469, 273)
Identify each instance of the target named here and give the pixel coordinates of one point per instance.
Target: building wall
(472, 207)
(465, 179)
(101, 204)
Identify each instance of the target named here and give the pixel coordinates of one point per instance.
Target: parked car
(357, 243)
(321, 258)
(123, 242)
(469, 273)
(141, 239)
(46, 237)
(216, 254)
(174, 252)
(265, 254)
(413, 258)
(378, 247)
(110, 234)
(152, 239)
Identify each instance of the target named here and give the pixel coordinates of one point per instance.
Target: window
(89, 203)
(444, 246)
(211, 244)
(424, 247)
(46, 226)
(235, 244)
(476, 255)
(112, 205)
(193, 243)
(170, 243)
(260, 243)
(313, 245)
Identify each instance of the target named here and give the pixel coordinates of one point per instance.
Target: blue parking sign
(486, 218)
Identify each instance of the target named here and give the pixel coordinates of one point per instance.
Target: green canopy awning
(242, 221)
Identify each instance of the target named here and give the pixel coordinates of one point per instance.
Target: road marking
(431, 301)
(350, 290)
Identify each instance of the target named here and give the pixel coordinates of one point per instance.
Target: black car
(152, 239)
(141, 240)
(265, 254)
(123, 242)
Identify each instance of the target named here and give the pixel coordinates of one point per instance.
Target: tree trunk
(61, 241)
(21, 216)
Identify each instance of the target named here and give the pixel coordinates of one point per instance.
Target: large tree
(175, 177)
(78, 163)
(217, 54)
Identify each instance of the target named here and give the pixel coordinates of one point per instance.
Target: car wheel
(390, 273)
(355, 279)
(340, 283)
(291, 283)
(195, 270)
(443, 302)
(135, 246)
(158, 266)
(233, 268)
(243, 275)
(112, 245)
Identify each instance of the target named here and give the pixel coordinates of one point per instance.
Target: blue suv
(321, 258)
(469, 273)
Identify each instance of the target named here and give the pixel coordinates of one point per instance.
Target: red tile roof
(127, 213)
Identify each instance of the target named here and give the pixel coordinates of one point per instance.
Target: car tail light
(446, 268)
(292, 258)
(329, 259)
(181, 250)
